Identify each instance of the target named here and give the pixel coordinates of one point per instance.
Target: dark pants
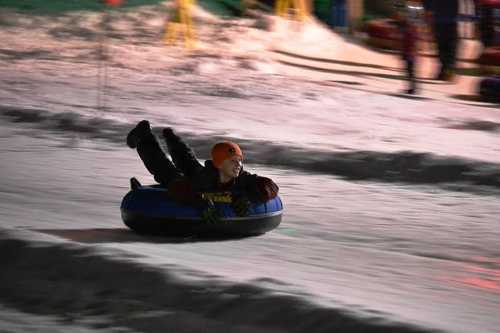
(447, 40)
(163, 170)
(445, 18)
(338, 11)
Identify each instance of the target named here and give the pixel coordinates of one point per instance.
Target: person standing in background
(407, 14)
(409, 50)
(445, 29)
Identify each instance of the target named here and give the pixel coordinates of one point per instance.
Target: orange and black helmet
(224, 150)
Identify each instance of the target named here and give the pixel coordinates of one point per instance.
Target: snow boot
(134, 184)
(169, 135)
(140, 131)
(445, 75)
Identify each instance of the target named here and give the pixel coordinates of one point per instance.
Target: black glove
(209, 213)
(241, 205)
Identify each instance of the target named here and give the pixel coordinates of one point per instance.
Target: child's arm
(258, 188)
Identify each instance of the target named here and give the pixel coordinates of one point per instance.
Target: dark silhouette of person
(444, 26)
(409, 49)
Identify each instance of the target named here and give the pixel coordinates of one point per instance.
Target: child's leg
(156, 162)
(151, 154)
(182, 155)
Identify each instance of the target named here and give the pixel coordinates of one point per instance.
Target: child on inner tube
(187, 179)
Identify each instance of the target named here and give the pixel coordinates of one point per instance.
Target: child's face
(231, 167)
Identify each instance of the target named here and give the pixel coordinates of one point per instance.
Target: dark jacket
(188, 189)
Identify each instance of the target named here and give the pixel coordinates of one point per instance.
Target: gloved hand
(209, 213)
(241, 205)
(266, 189)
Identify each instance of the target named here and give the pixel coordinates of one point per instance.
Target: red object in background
(490, 56)
(384, 29)
(490, 3)
(113, 3)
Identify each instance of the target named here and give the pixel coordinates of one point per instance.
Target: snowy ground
(391, 203)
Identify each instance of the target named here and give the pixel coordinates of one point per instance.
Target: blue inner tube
(148, 209)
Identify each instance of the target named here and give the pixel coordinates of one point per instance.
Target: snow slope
(391, 219)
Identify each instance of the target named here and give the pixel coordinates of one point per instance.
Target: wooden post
(181, 23)
(299, 7)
